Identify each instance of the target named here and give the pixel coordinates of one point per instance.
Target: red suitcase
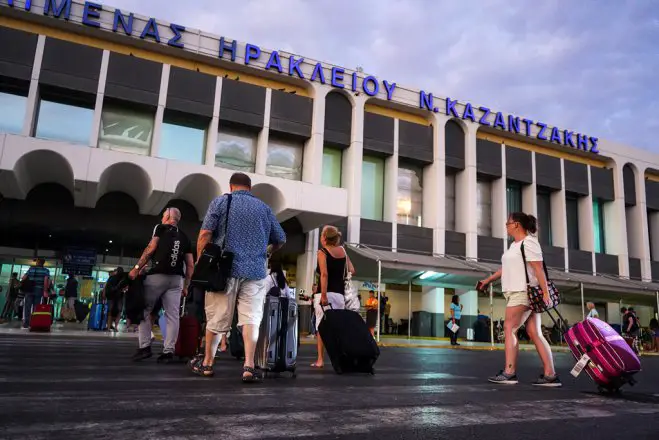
(41, 318)
(187, 343)
(603, 353)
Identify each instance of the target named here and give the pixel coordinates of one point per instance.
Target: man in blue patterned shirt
(252, 229)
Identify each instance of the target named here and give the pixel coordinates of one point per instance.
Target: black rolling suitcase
(276, 348)
(348, 341)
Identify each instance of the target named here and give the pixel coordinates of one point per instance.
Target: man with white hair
(168, 279)
(592, 310)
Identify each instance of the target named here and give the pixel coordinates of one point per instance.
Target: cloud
(588, 66)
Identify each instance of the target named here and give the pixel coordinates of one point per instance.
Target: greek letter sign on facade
(118, 21)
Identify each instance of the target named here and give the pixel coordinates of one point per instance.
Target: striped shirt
(38, 274)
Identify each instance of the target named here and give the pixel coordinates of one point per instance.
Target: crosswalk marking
(263, 424)
(168, 402)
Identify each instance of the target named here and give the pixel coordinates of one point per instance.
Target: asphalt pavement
(68, 387)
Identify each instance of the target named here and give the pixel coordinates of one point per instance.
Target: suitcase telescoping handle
(558, 325)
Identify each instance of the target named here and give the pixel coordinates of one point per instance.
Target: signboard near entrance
(78, 261)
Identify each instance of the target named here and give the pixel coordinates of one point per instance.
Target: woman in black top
(332, 260)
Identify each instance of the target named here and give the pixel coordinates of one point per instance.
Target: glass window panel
(12, 113)
(126, 130)
(63, 122)
(598, 229)
(410, 196)
(544, 218)
(450, 202)
(514, 197)
(572, 207)
(284, 160)
(235, 151)
(178, 142)
(484, 207)
(372, 188)
(332, 164)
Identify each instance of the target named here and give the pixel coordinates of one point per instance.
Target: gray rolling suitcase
(276, 348)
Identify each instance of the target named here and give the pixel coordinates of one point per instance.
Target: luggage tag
(578, 368)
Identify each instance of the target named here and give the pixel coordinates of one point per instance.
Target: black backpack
(274, 290)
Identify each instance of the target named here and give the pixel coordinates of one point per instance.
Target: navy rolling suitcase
(276, 348)
(98, 317)
(348, 341)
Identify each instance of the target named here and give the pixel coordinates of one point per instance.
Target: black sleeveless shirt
(335, 273)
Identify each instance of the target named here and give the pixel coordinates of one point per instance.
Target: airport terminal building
(108, 117)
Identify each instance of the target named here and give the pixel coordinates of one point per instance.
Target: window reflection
(126, 130)
(372, 188)
(63, 122)
(514, 197)
(284, 160)
(332, 167)
(235, 151)
(410, 196)
(450, 202)
(598, 217)
(182, 143)
(12, 113)
(572, 215)
(544, 217)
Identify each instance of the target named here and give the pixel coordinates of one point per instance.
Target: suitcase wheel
(372, 371)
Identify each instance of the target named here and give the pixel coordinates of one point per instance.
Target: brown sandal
(255, 376)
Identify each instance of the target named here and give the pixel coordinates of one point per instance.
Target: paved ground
(65, 387)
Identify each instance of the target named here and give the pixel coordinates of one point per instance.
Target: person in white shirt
(522, 228)
(277, 278)
(592, 310)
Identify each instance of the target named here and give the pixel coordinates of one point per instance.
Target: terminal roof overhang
(447, 271)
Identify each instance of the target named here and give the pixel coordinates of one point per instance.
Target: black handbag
(536, 297)
(213, 268)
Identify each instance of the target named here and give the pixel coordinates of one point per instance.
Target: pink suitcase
(603, 353)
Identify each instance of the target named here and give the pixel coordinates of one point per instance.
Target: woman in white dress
(278, 278)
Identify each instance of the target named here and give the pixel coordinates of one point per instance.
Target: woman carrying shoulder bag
(513, 273)
(332, 262)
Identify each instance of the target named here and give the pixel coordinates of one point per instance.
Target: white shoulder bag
(349, 292)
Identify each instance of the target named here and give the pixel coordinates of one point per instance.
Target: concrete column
(558, 218)
(352, 169)
(653, 226)
(640, 226)
(432, 301)
(434, 187)
(391, 189)
(32, 104)
(312, 165)
(530, 192)
(618, 222)
(466, 218)
(499, 201)
(469, 302)
(214, 125)
(306, 262)
(100, 94)
(264, 136)
(160, 112)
